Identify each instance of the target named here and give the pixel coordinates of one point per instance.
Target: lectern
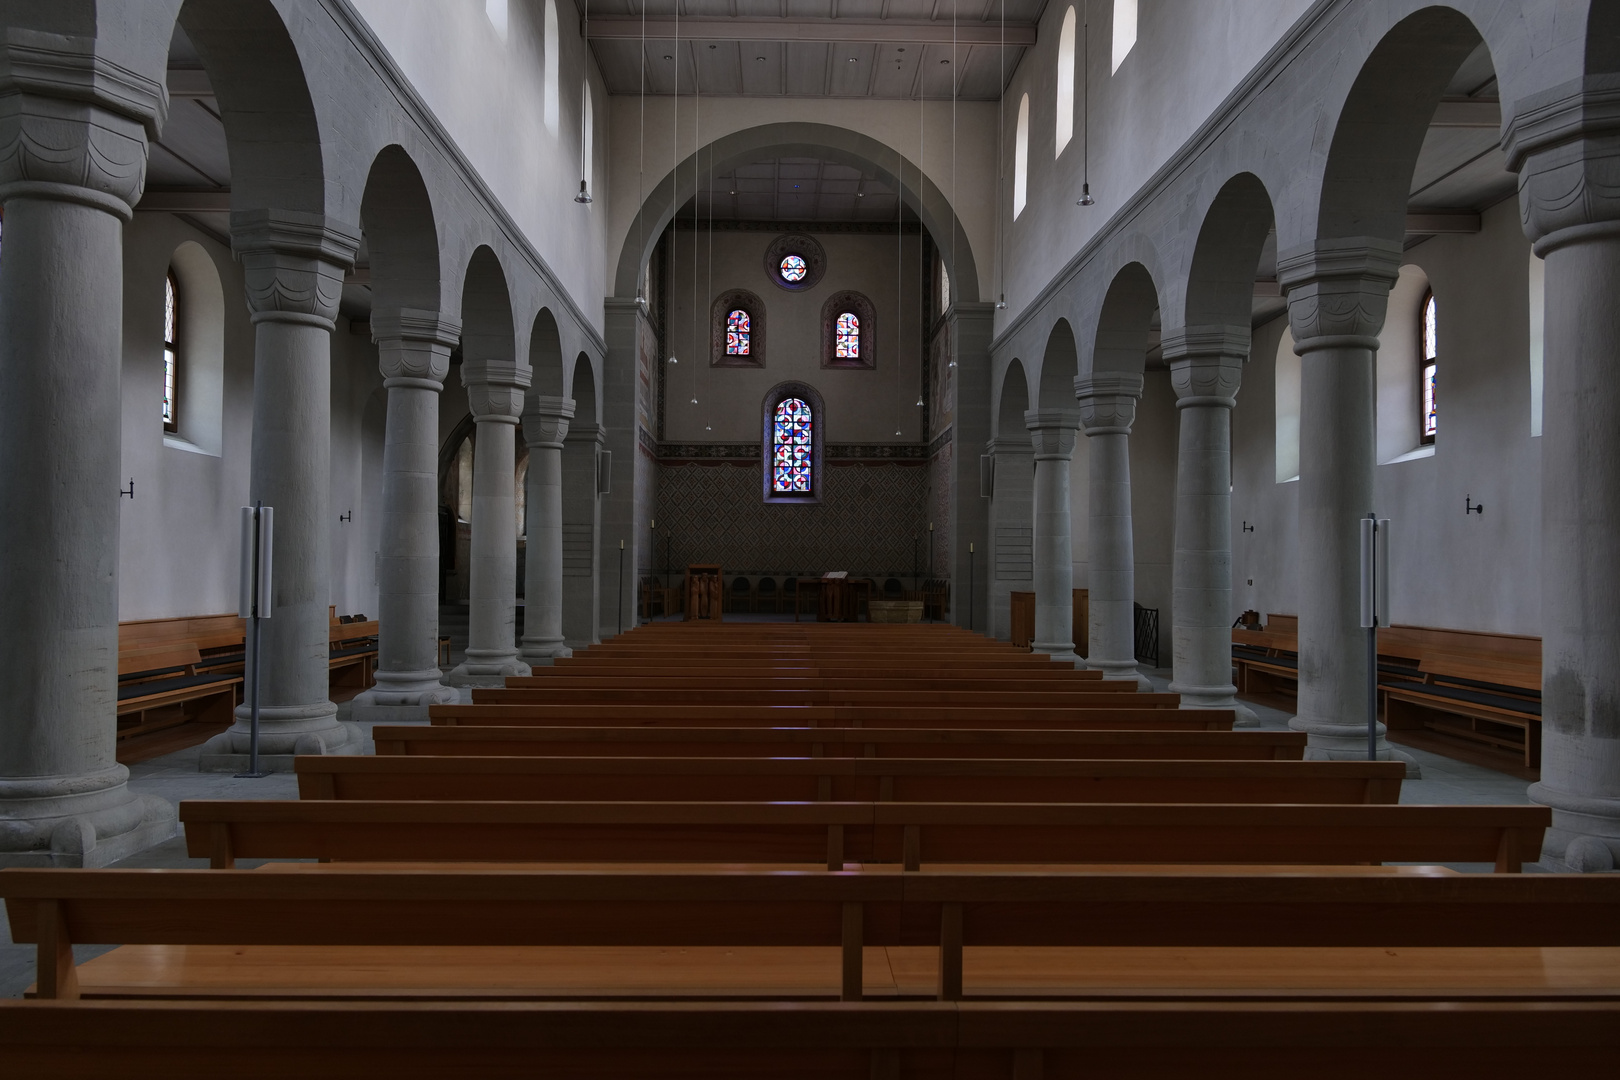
(703, 592)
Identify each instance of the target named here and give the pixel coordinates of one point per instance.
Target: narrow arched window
(171, 354)
(739, 329)
(849, 336)
(793, 458)
(1428, 362)
(1065, 83)
(1124, 30)
(1021, 158)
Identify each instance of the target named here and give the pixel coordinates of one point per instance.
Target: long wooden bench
(1292, 917)
(412, 739)
(935, 780)
(831, 834)
(1495, 701)
(1079, 681)
(170, 675)
(1026, 699)
(1138, 1040)
(928, 716)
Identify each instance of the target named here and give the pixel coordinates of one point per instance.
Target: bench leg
(853, 951)
(950, 953)
(57, 978)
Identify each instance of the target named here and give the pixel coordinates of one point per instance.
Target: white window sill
(175, 442)
(1413, 455)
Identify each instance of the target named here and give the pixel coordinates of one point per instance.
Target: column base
(1585, 833)
(79, 821)
(1121, 670)
(1063, 653)
(285, 731)
(1340, 742)
(1216, 697)
(402, 697)
(487, 668)
(540, 652)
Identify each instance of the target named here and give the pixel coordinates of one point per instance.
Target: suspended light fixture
(1085, 116)
(641, 167)
(584, 195)
(1001, 171)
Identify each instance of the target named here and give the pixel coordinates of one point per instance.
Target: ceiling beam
(839, 31)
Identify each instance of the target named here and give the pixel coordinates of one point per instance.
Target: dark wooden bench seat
(1042, 699)
(928, 716)
(1479, 699)
(1113, 932)
(938, 780)
(170, 677)
(413, 739)
(935, 680)
(830, 834)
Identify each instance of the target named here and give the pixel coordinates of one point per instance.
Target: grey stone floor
(175, 777)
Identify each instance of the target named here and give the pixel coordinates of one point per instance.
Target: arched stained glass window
(171, 353)
(737, 333)
(1428, 362)
(793, 446)
(849, 336)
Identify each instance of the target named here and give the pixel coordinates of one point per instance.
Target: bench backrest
(837, 742)
(925, 716)
(179, 654)
(1503, 671)
(829, 833)
(766, 695)
(204, 631)
(734, 779)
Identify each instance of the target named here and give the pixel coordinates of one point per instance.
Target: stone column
(1012, 526)
(69, 174)
(414, 352)
(545, 426)
(1564, 144)
(1052, 433)
(293, 265)
(1206, 367)
(581, 527)
(971, 326)
(495, 390)
(1338, 291)
(1107, 410)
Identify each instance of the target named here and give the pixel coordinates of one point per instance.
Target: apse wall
(1448, 568)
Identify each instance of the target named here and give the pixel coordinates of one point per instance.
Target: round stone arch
(798, 139)
(818, 441)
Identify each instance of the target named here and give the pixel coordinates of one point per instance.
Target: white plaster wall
(179, 536)
(489, 92)
(865, 406)
(1448, 569)
(922, 132)
(1189, 55)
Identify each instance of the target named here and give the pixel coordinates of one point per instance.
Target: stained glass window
(792, 448)
(849, 337)
(171, 352)
(737, 333)
(1428, 365)
(794, 268)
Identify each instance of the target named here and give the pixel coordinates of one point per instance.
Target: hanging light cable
(697, 98)
(1085, 115)
(674, 148)
(708, 407)
(641, 168)
(1001, 157)
(584, 195)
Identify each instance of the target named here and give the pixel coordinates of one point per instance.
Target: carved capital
(1108, 401)
(73, 125)
(586, 432)
(1206, 364)
(1338, 291)
(545, 421)
(293, 264)
(1565, 145)
(1052, 432)
(413, 347)
(495, 389)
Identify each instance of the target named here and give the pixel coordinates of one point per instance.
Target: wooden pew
(1325, 1040)
(1481, 699)
(928, 716)
(412, 739)
(914, 698)
(334, 914)
(831, 834)
(1079, 681)
(165, 676)
(934, 780)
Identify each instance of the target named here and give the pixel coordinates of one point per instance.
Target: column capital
(1052, 432)
(293, 264)
(1338, 291)
(545, 421)
(1011, 444)
(77, 125)
(1206, 364)
(1565, 145)
(586, 431)
(1108, 401)
(495, 389)
(413, 347)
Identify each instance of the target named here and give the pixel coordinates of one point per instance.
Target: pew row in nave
(984, 744)
(832, 834)
(896, 716)
(933, 780)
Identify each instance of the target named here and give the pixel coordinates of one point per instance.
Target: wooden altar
(703, 592)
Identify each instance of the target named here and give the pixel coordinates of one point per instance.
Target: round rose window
(793, 268)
